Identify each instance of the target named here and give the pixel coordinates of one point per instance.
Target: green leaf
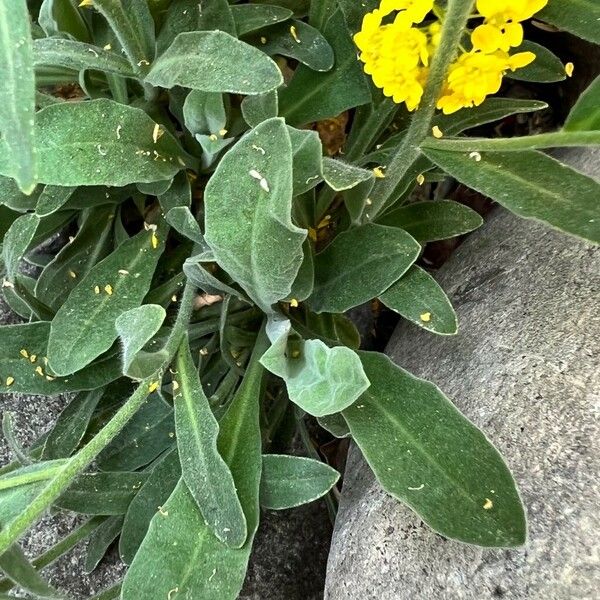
(216, 14)
(136, 327)
(433, 220)
(148, 434)
(253, 237)
(307, 159)
(199, 565)
(319, 379)
(355, 11)
(205, 280)
(204, 112)
(493, 109)
(17, 568)
(290, 481)
(299, 41)
(92, 243)
(205, 473)
(17, 93)
(103, 143)
(196, 60)
(17, 240)
(312, 96)
(259, 108)
(79, 56)
(102, 493)
(531, 185)
(429, 456)
(341, 176)
(84, 327)
(12, 197)
(62, 16)
(100, 540)
(33, 337)
(418, 297)
(132, 23)
(182, 220)
(53, 198)
(546, 68)
(250, 17)
(585, 115)
(580, 17)
(360, 264)
(147, 502)
(71, 425)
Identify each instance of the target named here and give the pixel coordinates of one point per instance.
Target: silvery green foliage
(214, 244)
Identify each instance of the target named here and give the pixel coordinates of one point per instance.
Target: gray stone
(524, 368)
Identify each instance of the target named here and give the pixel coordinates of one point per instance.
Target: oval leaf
(429, 456)
(360, 264)
(289, 481)
(431, 221)
(418, 297)
(214, 61)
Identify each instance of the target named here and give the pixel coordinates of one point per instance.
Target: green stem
(556, 139)
(33, 477)
(455, 22)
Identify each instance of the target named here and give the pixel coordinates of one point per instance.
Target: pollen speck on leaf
(9, 381)
(108, 289)
(569, 69)
(24, 353)
(437, 132)
(488, 504)
(425, 317)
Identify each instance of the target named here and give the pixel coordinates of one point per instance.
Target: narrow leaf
(580, 17)
(205, 473)
(585, 115)
(16, 241)
(531, 185)
(100, 540)
(53, 198)
(289, 481)
(418, 297)
(17, 93)
(426, 454)
(250, 17)
(84, 327)
(15, 566)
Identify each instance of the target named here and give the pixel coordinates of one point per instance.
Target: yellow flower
(475, 75)
(396, 54)
(502, 27)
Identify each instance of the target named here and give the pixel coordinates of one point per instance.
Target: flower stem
(454, 24)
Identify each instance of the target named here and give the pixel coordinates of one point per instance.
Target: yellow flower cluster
(396, 51)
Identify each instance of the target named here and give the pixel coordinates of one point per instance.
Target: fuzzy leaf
(312, 96)
(17, 94)
(418, 297)
(431, 221)
(205, 473)
(101, 142)
(546, 68)
(250, 17)
(290, 481)
(84, 327)
(17, 240)
(136, 327)
(426, 454)
(32, 377)
(252, 236)
(531, 185)
(341, 176)
(319, 379)
(580, 17)
(360, 264)
(214, 61)
(100, 540)
(79, 56)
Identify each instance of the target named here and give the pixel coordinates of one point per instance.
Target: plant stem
(555, 139)
(454, 24)
(32, 477)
